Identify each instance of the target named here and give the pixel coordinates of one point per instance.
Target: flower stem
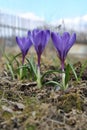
(63, 79)
(21, 73)
(39, 78)
(65, 86)
(62, 65)
(23, 57)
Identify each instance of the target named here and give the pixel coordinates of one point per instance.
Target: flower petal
(65, 40)
(19, 42)
(24, 44)
(57, 41)
(72, 39)
(63, 43)
(27, 45)
(71, 42)
(45, 35)
(40, 39)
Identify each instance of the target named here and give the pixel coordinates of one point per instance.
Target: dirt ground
(25, 107)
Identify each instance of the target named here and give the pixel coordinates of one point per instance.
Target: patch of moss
(30, 127)
(69, 101)
(1, 93)
(12, 95)
(6, 115)
(31, 104)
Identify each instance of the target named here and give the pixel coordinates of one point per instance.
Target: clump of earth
(25, 107)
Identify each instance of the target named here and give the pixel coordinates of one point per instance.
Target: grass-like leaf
(73, 70)
(50, 72)
(53, 83)
(10, 61)
(11, 70)
(67, 74)
(32, 66)
(82, 69)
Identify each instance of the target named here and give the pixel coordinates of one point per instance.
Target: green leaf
(32, 66)
(50, 72)
(14, 57)
(11, 70)
(67, 74)
(10, 64)
(82, 69)
(73, 70)
(22, 71)
(53, 83)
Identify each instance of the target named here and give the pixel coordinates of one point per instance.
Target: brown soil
(25, 107)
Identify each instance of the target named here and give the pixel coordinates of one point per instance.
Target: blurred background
(19, 16)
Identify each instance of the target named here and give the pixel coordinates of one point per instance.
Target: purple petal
(65, 40)
(45, 35)
(37, 40)
(19, 42)
(63, 43)
(24, 44)
(40, 39)
(57, 41)
(72, 39)
(71, 42)
(29, 33)
(34, 32)
(27, 45)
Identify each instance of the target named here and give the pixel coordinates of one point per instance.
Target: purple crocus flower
(39, 39)
(24, 44)
(63, 44)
